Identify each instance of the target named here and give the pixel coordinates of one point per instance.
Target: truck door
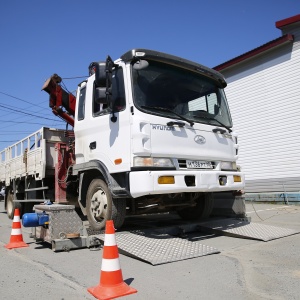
(98, 137)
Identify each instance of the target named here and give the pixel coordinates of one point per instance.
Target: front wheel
(202, 210)
(101, 206)
(11, 205)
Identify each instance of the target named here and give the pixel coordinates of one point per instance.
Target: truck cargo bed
(34, 155)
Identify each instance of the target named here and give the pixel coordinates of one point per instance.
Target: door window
(81, 104)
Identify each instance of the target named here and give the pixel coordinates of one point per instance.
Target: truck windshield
(186, 93)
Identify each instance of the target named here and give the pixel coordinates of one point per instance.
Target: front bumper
(146, 182)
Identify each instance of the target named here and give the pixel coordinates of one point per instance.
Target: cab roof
(139, 54)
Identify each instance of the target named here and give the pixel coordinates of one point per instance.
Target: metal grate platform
(159, 248)
(162, 245)
(245, 229)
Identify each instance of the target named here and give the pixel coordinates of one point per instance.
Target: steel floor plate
(159, 248)
(245, 229)
(162, 245)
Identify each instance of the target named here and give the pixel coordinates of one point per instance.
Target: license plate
(197, 164)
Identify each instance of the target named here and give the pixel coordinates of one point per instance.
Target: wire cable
(19, 111)
(63, 84)
(74, 77)
(8, 95)
(275, 215)
(23, 122)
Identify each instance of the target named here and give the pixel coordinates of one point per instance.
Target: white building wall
(264, 98)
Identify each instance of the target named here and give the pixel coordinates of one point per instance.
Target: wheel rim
(99, 205)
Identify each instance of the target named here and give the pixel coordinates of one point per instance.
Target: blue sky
(39, 38)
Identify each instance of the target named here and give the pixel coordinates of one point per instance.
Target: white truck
(151, 133)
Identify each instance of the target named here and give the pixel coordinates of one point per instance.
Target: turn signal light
(166, 180)
(118, 161)
(237, 178)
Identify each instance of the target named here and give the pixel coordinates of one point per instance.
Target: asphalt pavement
(244, 268)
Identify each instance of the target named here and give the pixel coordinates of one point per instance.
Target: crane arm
(60, 99)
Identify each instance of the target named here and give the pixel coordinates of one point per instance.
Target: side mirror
(100, 95)
(103, 80)
(140, 64)
(99, 69)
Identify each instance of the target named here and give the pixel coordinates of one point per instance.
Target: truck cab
(153, 133)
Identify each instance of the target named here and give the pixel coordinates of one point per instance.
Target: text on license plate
(197, 164)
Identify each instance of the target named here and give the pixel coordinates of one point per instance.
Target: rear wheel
(202, 210)
(102, 207)
(11, 205)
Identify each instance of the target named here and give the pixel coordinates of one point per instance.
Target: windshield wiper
(171, 111)
(213, 119)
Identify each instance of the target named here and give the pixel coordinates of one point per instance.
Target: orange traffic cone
(111, 279)
(16, 238)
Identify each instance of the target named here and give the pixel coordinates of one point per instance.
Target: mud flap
(229, 204)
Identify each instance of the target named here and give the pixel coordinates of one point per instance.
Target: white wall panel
(264, 98)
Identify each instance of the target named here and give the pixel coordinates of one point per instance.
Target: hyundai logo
(199, 139)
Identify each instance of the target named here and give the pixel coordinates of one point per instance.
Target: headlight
(228, 166)
(152, 162)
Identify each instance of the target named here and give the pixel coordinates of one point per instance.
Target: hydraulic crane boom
(59, 99)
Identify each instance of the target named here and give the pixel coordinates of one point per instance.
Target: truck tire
(101, 206)
(202, 210)
(11, 205)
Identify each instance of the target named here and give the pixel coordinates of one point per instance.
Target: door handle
(93, 145)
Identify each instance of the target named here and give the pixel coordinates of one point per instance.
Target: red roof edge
(272, 44)
(288, 21)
